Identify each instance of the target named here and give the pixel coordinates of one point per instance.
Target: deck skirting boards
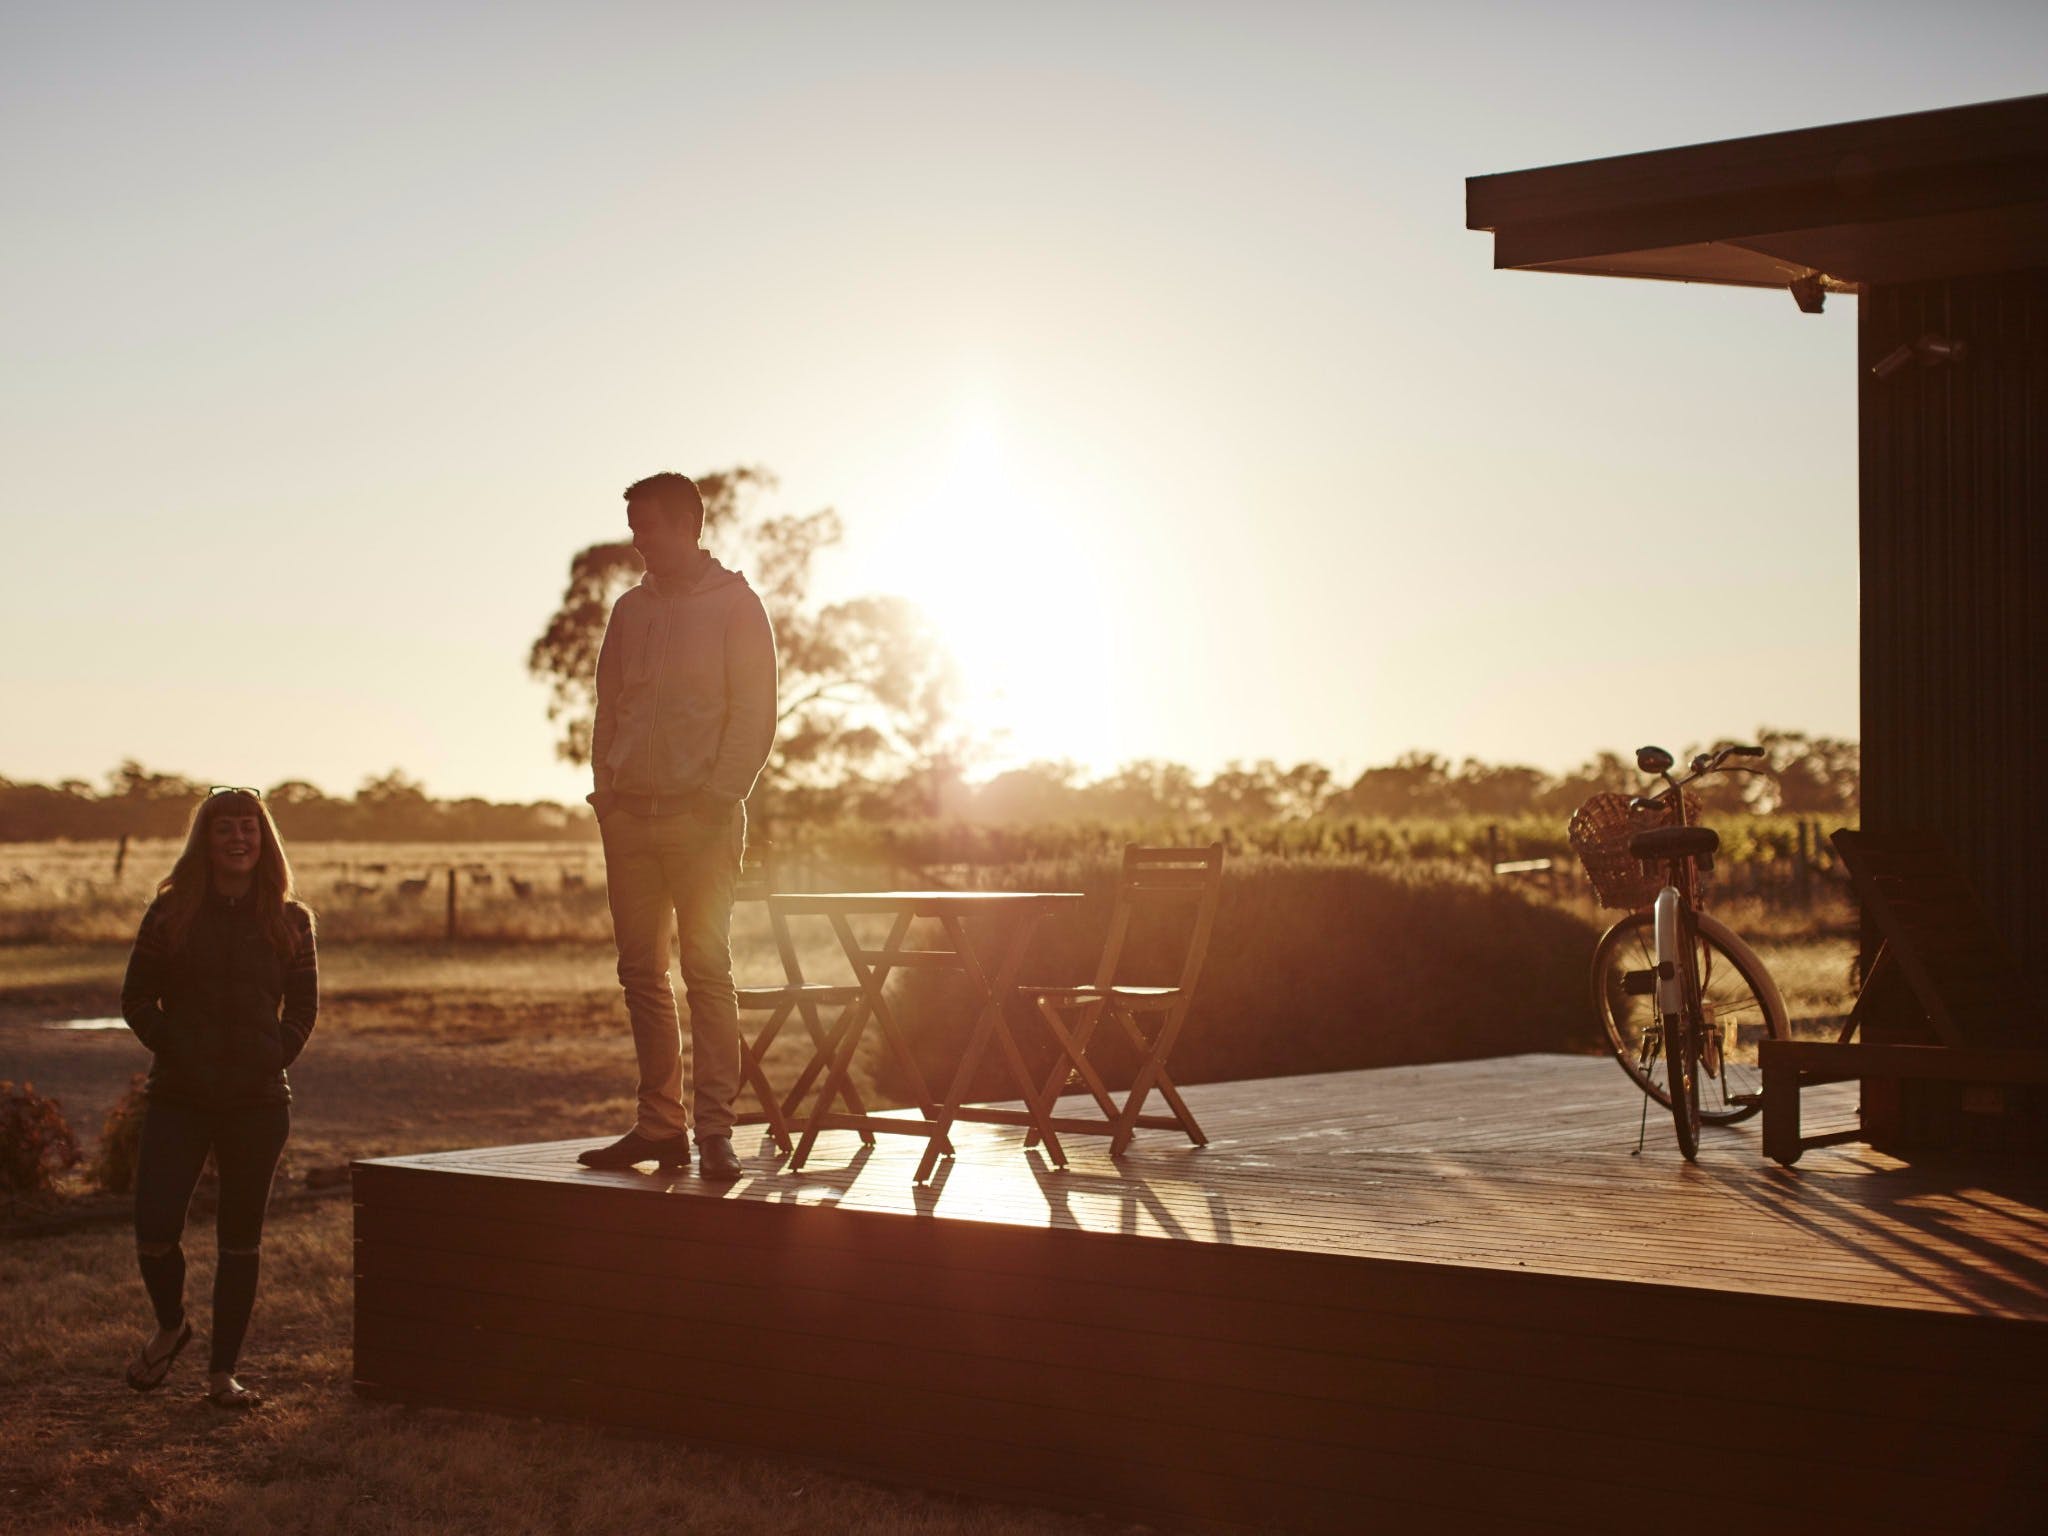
(1244, 1356)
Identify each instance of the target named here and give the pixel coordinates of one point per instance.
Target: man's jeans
(680, 869)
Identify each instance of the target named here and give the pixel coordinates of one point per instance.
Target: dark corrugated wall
(1954, 461)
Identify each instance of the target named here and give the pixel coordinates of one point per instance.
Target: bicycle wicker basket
(1600, 830)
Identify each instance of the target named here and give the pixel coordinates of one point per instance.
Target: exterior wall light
(1929, 351)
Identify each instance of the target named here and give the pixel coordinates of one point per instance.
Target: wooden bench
(1937, 953)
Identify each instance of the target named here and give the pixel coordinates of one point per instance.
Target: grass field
(417, 1048)
(504, 892)
(81, 1454)
(515, 892)
(428, 1045)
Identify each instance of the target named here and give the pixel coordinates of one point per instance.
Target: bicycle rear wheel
(1738, 1008)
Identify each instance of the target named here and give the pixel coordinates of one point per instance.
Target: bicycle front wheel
(1737, 1009)
(1682, 1078)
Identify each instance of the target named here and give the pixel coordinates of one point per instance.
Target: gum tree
(863, 681)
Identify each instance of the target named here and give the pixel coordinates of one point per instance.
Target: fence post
(1805, 866)
(451, 902)
(1492, 848)
(120, 858)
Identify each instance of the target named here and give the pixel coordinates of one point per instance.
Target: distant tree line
(866, 731)
(136, 802)
(1810, 776)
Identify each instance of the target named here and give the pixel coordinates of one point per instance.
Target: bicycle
(1682, 998)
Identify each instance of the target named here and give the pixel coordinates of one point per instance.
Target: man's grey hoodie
(685, 690)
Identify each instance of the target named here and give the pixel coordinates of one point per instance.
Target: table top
(916, 902)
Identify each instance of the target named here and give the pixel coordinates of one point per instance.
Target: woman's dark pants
(246, 1144)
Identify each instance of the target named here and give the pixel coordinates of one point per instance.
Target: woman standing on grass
(222, 987)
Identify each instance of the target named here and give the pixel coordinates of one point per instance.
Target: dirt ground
(80, 1454)
(418, 1048)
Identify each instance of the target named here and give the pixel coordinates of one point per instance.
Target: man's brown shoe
(631, 1148)
(717, 1160)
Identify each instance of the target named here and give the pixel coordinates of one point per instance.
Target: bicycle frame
(1673, 908)
(1669, 927)
(1675, 916)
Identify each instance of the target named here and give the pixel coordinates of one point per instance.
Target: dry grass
(54, 893)
(1813, 973)
(1318, 964)
(423, 1046)
(80, 1453)
(69, 892)
(419, 1047)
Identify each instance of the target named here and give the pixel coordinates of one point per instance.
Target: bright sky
(1142, 343)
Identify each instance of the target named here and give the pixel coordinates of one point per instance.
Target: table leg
(821, 1056)
(872, 982)
(989, 1019)
(1001, 993)
(793, 968)
(751, 1054)
(843, 1043)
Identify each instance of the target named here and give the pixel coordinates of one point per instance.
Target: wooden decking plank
(1261, 1463)
(1316, 1182)
(1732, 1366)
(1317, 1221)
(547, 1198)
(1598, 1244)
(1759, 1374)
(1395, 1296)
(1297, 1394)
(1600, 1311)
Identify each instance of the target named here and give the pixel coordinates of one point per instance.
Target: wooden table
(1019, 913)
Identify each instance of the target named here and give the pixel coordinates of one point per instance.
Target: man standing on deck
(685, 718)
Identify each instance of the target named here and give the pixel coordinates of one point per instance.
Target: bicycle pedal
(1745, 1099)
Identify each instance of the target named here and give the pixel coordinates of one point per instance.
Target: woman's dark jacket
(224, 1014)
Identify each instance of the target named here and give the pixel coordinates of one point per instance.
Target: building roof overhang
(1846, 206)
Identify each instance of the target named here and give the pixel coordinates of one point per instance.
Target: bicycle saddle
(1674, 843)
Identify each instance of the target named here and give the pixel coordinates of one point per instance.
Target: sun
(996, 551)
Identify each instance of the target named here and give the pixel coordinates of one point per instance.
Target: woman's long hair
(184, 889)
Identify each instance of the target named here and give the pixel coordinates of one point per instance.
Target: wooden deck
(1419, 1298)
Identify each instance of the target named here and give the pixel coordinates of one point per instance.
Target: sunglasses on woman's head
(233, 789)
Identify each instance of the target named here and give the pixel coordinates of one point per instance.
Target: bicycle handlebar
(1702, 765)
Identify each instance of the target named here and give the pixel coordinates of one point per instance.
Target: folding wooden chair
(1150, 876)
(793, 996)
(1940, 957)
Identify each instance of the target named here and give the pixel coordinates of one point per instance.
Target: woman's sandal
(234, 1398)
(145, 1374)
